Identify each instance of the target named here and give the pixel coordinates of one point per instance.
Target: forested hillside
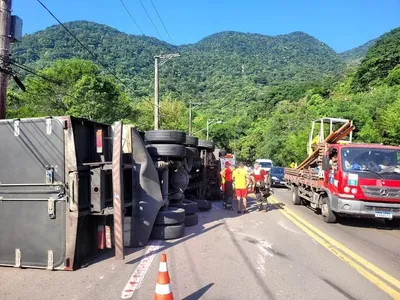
(355, 55)
(266, 89)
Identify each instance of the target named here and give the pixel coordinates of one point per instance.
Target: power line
(87, 49)
(152, 3)
(133, 19)
(151, 20)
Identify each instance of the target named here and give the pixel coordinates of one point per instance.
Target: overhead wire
(151, 20)
(165, 28)
(133, 19)
(93, 54)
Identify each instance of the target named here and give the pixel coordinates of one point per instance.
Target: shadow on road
(199, 293)
(367, 223)
(205, 217)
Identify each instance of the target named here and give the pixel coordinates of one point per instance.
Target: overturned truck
(71, 188)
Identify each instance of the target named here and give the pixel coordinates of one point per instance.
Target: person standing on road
(241, 177)
(261, 186)
(226, 176)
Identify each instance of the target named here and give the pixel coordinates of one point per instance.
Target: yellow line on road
(347, 256)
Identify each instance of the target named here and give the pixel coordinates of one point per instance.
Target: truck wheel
(165, 137)
(191, 141)
(191, 220)
(170, 216)
(203, 204)
(190, 207)
(206, 145)
(156, 150)
(295, 195)
(168, 232)
(327, 214)
(192, 152)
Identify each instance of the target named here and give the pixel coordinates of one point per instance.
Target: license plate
(384, 214)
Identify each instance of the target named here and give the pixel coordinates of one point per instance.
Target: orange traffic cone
(163, 287)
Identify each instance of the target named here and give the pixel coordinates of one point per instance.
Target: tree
(73, 87)
(173, 114)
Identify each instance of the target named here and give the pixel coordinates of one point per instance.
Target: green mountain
(266, 89)
(381, 63)
(205, 70)
(355, 55)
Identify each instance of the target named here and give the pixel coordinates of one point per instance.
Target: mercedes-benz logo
(384, 192)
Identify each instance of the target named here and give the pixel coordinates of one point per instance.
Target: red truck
(344, 179)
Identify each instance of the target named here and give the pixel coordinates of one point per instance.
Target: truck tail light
(354, 191)
(346, 189)
(99, 140)
(101, 237)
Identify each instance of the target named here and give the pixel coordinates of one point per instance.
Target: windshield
(265, 164)
(375, 160)
(277, 171)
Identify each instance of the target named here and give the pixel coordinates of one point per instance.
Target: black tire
(295, 195)
(165, 137)
(223, 152)
(170, 217)
(393, 222)
(203, 204)
(206, 145)
(191, 220)
(168, 232)
(190, 207)
(327, 214)
(156, 150)
(191, 141)
(188, 164)
(192, 152)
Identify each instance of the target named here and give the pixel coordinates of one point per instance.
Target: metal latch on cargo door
(16, 127)
(48, 126)
(51, 208)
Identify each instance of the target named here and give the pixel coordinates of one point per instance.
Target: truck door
(332, 176)
(32, 193)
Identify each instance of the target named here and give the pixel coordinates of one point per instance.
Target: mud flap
(147, 194)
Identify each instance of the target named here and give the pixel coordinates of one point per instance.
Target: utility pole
(156, 99)
(5, 29)
(159, 60)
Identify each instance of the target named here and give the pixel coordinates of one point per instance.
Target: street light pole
(209, 123)
(191, 115)
(159, 60)
(208, 126)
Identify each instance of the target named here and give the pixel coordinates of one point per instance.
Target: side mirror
(325, 163)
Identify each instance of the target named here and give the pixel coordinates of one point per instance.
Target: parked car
(277, 176)
(265, 164)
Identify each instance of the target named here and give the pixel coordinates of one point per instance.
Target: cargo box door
(32, 193)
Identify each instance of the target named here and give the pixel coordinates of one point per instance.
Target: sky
(342, 24)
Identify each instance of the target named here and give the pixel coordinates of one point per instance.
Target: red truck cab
(363, 180)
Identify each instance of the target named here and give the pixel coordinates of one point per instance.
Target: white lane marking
(283, 225)
(137, 276)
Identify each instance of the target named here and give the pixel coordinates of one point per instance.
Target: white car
(265, 164)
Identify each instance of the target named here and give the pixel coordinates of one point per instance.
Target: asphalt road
(285, 253)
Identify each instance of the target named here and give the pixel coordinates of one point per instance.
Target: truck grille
(375, 208)
(381, 192)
